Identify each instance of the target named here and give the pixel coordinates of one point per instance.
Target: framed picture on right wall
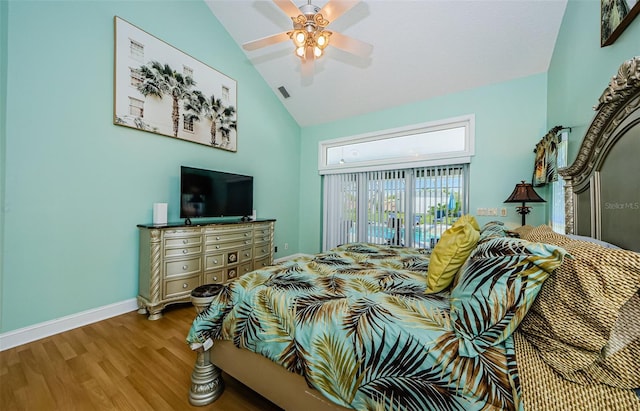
(615, 16)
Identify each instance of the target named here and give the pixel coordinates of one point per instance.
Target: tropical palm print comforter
(357, 324)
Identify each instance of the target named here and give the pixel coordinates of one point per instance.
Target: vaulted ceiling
(421, 49)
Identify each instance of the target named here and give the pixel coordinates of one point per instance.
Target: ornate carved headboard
(602, 195)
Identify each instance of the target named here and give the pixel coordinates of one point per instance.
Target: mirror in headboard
(602, 195)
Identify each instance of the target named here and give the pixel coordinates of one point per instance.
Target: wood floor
(123, 363)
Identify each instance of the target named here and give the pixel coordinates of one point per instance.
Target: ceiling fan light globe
(317, 52)
(300, 52)
(299, 38)
(322, 39)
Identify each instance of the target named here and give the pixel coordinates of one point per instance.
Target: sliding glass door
(407, 207)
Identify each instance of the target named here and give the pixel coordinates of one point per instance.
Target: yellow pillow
(467, 218)
(449, 254)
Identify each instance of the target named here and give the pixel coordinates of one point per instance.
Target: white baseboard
(41, 330)
(291, 257)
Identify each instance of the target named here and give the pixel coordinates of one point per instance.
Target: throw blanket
(357, 324)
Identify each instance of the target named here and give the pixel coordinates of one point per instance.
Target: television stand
(175, 259)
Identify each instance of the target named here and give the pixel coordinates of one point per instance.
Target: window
(448, 141)
(136, 50)
(187, 71)
(225, 94)
(408, 207)
(136, 107)
(136, 77)
(187, 122)
(557, 188)
(403, 186)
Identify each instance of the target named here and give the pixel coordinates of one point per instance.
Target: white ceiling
(421, 49)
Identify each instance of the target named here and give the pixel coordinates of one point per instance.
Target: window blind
(404, 207)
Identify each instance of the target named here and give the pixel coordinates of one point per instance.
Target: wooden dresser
(175, 258)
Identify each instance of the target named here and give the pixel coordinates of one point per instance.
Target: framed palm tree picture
(160, 89)
(615, 16)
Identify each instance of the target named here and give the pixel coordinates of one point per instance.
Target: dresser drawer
(185, 251)
(261, 251)
(262, 229)
(182, 241)
(214, 277)
(246, 255)
(262, 239)
(228, 233)
(183, 267)
(235, 272)
(245, 268)
(261, 263)
(181, 232)
(181, 286)
(226, 237)
(226, 246)
(229, 228)
(213, 261)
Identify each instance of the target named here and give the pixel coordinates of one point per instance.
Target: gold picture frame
(160, 89)
(615, 16)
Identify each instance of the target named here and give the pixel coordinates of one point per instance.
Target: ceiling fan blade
(335, 8)
(350, 45)
(306, 69)
(289, 7)
(265, 41)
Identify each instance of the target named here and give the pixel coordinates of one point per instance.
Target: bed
(489, 319)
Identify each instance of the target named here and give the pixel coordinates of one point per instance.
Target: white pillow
(593, 240)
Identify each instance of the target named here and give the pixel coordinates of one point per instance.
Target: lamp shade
(524, 193)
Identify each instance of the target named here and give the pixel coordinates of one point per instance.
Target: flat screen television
(208, 193)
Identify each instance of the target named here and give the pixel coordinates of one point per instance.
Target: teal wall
(510, 118)
(580, 69)
(75, 185)
(3, 132)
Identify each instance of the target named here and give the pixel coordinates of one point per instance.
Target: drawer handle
(246, 234)
(217, 246)
(264, 264)
(246, 270)
(184, 267)
(247, 254)
(264, 250)
(185, 285)
(185, 241)
(215, 278)
(217, 238)
(215, 261)
(247, 242)
(185, 251)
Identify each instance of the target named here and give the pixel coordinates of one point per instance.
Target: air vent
(284, 92)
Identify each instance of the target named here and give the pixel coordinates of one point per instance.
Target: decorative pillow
(573, 318)
(467, 218)
(492, 229)
(455, 245)
(495, 289)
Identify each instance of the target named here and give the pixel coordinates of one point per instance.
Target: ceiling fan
(309, 33)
